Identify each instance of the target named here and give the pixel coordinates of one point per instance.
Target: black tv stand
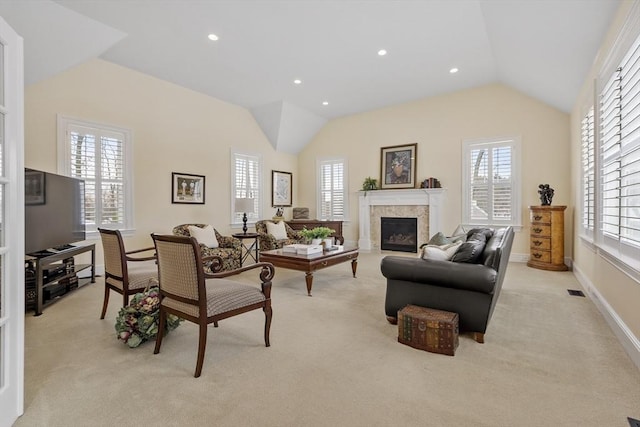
(63, 247)
(52, 263)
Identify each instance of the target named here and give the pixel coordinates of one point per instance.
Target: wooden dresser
(547, 238)
(299, 224)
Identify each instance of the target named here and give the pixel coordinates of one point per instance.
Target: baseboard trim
(629, 341)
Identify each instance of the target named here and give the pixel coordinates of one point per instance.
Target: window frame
(588, 178)
(516, 171)
(621, 252)
(64, 168)
(320, 162)
(256, 215)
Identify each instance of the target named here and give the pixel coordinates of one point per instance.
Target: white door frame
(12, 244)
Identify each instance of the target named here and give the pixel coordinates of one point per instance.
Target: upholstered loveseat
(469, 288)
(229, 248)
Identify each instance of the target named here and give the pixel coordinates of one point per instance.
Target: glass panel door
(11, 226)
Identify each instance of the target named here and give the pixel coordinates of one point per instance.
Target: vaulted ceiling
(543, 48)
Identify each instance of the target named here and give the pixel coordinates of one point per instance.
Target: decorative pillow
(277, 230)
(471, 250)
(439, 239)
(459, 235)
(440, 253)
(205, 236)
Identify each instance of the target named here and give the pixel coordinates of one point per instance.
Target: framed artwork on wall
(281, 188)
(398, 166)
(187, 188)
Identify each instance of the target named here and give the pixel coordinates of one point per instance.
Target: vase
(316, 241)
(328, 242)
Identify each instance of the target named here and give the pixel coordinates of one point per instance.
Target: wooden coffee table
(311, 263)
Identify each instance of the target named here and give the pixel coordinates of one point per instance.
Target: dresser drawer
(540, 256)
(540, 230)
(540, 243)
(540, 217)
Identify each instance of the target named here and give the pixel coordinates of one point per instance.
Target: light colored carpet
(549, 360)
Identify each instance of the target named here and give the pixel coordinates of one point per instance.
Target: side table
(248, 249)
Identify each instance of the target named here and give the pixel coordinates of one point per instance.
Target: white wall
(439, 125)
(174, 130)
(615, 292)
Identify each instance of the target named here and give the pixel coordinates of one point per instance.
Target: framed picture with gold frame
(398, 166)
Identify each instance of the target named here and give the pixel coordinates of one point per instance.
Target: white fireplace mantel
(433, 198)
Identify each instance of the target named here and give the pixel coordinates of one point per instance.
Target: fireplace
(399, 234)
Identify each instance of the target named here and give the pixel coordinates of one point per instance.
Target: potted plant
(317, 234)
(369, 184)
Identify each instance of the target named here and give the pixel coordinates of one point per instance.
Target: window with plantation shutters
(588, 174)
(491, 182)
(619, 151)
(332, 194)
(100, 155)
(246, 172)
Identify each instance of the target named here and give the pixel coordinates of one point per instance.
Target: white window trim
(319, 162)
(618, 254)
(237, 223)
(516, 172)
(64, 167)
(587, 234)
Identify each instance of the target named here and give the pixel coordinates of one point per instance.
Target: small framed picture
(187, 188)
(398, 166)
(282, 188)
(34, 188)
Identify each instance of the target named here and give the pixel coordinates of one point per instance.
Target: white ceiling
(543, 48)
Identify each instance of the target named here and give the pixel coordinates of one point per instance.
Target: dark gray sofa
(469, 289)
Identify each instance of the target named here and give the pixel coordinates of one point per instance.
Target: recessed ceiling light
(325, 102)
(382, 52)
(453, 70)
(213, 37)
(297, 81)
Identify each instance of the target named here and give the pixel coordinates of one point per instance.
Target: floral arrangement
(139, 321)
(316, 233)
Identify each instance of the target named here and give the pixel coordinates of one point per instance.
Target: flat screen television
(54, 211)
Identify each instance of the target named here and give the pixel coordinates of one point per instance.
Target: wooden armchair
(229, 249)
(268, 241)
(124, 274)
(202, 298)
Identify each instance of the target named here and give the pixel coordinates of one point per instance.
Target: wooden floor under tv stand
(47, 260)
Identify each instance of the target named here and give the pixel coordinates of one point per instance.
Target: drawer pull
(324, 263)
(537, 255)
(537, 242)
(537, 230)
(537, 217)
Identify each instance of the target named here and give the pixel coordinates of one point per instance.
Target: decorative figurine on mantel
(546, 194)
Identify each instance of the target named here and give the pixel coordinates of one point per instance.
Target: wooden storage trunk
(428, 329)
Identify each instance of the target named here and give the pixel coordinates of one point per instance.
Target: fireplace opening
(399, 234)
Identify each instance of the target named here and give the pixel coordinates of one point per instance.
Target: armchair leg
(163, 321)
(202, 345)
(267, 324)
(105, 303)
(392, 320)
(479, 337)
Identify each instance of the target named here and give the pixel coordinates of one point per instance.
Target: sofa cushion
(441, 252)
(277, 230)
(471, 250)
(205, 236)
(439, 239)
